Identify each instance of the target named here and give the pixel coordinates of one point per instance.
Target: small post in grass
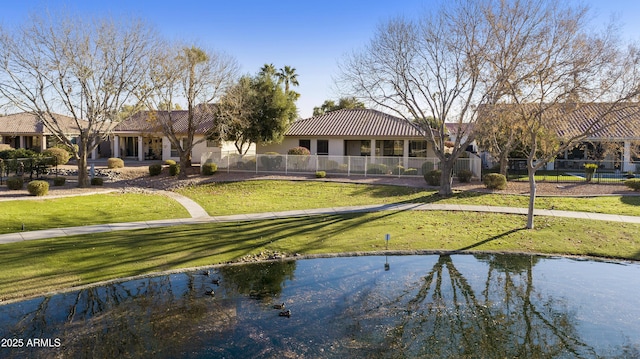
(386, 262)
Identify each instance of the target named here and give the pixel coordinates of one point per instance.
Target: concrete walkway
(199, 216)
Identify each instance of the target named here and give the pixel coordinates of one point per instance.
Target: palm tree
(288, 76)
(268, 70)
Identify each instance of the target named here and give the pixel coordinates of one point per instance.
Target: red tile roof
(147, 121)
(27, 123)
(611, 122)
(360, 123)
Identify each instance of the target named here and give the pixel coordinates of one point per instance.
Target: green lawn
(86, 210)
(272, 196)
(44, 265)
(40, 266)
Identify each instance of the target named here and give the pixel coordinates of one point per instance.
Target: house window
(417, 148)
(323, 147)
(174, 150)
(390, 148)
(365, 148)
(305, 143)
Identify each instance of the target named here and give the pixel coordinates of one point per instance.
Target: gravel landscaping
(137, 179)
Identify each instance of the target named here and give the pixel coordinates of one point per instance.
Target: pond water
(427, 306)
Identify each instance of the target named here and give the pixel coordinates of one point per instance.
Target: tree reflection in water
(444, 316)
(485, 306)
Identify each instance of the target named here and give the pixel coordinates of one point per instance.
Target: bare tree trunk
(446, 167)
(532, 196)
(83, 177)
(185, 164)
(504, 164)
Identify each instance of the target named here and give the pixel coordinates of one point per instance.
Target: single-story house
(355, 132)
(140, 137)
(25, 130)
(620, 131)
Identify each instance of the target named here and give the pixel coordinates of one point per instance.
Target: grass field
(86, 210)
(39, 266)
(271, 196)
(36, 267)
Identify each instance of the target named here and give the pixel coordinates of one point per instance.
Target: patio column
(373, 151)
(626, 158)
(43, 142)
(116, 146)
(22, 141)
(140, 149)
(405, 153)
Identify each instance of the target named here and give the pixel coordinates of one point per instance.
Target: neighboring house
(452, 131)
(140, 137)
(25, 130)
(623, 136)
(355, 132)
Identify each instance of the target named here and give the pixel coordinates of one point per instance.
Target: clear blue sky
(310, 35)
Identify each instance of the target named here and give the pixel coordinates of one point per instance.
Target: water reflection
(482, 306)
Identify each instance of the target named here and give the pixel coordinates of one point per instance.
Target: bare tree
(433, 68)
(552, 69)
(189, 74)
(86, 69)
(498, 134)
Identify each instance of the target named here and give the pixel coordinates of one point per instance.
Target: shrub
(59, 181)
(398, 170)
(321, 174)
(114, 162)
(464, 176)
(59, 155)
(209, 168)
(271, 160)
(97, 181)
(174, 169)
(633, 183)
(375, 168)
(331, 165)
(299, 151)
(411, 172)
(589, 170)
(169, 162)
(426, 167)
(155, 169)
(15, 183)
(17, 153)
(495, 181)
(38, 188)
(250, 164)
(432, 177)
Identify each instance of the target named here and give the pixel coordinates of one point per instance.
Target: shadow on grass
(490, 239)
(71, 261)
(631, 200)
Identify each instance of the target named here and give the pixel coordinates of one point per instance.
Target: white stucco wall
(281, 148)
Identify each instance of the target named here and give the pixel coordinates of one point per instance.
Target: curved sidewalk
(199, 217)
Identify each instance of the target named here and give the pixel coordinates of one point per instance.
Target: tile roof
(148, 121)
(354, 123)
(28, 123)
(616, 122)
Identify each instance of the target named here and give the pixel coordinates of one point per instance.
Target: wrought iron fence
(37, 167)
(340, 165)
(577, 171)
